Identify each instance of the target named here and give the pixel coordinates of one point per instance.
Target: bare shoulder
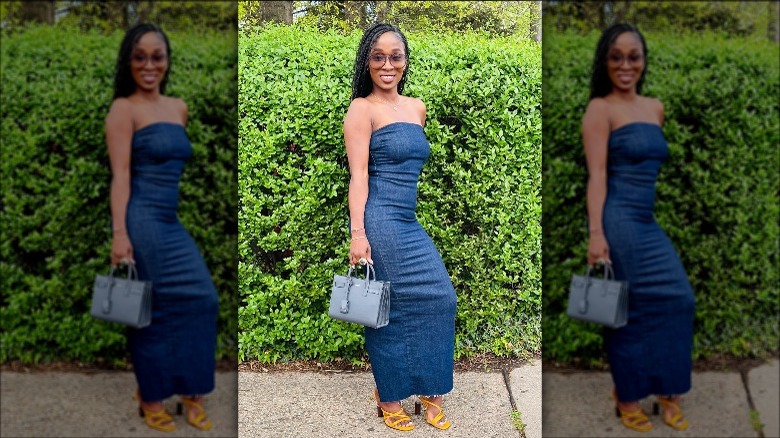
(656, 107)
(598, 109)
(121, 111)
(359, 109)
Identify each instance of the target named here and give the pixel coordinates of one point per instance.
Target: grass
(517, 421)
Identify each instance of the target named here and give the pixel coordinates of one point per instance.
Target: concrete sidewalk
(580, 405)
(99, 404)
(314, 405)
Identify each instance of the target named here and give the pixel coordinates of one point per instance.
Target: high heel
(401, 416)
(200, 421)
(678, 421)
(159, 420)
(635, 420)
(437, 420)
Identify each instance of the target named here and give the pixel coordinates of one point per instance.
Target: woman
(624, 148)
(386, 149)
(148, 147)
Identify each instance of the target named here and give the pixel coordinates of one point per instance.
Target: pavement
(338, 404)
(579, 404)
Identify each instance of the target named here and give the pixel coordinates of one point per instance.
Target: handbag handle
(609, 274)
(132, 273)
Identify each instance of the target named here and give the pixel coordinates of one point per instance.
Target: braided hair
(361, 80)
(124, 84)
(600, 84)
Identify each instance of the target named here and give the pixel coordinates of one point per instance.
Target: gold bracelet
(355, 230)
(595, 231)
(120, 230)
(358, 238)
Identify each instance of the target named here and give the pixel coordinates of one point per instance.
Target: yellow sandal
(159, 420)
(678, 421)
(401, 417)
(198, 422)
(436, 422)
(635, 420)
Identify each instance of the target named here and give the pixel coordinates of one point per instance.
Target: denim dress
(652, 353)
(413, 354)
(176, 353)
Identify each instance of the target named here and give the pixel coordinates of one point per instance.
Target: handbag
(124, 300)
(600, 300)
(362, 301)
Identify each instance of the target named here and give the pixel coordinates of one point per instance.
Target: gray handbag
(600, 300)
(362, 301)
(124, 300)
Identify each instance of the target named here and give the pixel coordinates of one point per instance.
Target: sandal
(200, 421)
(159, 420)
(635, 420)
(403, 421)
(437, 420)
(677, 420)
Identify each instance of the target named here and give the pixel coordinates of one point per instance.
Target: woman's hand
(359, 248)
(121, 249)
(598, 249)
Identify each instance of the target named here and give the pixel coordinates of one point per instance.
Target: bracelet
(595, 231)
(119, 230)
(358, 238)
(355, 230)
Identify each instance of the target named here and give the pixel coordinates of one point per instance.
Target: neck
(391, 95)
(625, 95)
(148, 95)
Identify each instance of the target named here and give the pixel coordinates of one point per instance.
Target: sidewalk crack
(516, 414)
(755, 419)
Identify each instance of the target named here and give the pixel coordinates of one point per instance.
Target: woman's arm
(357, 135)
(595, 137)
(119, 133)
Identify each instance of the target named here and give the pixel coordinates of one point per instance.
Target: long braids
(361, 79)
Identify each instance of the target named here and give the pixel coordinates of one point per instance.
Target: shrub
(717, 195)
(478, 197)
(57, 88)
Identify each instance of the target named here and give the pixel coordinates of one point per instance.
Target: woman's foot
(433, 413)
(394, 415)
(155, 415)
(672, 413)
(196, 414)
(631, 415)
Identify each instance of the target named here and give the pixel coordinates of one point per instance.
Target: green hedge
(479, 194)
(717, 195)
(57, 85)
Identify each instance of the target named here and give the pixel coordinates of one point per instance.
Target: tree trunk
(280, 12)
(353, 14)
(536, 25)
(37, 11)
(382, 8)
(773, 25)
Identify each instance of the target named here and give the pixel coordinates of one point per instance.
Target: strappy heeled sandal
(200, 421)
(159, 420)
(677, 421)
(403, 421)
(635, 420)
(437, 420)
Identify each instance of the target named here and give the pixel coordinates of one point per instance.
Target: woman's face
(387, 61)
(625, 61)
(149, 61)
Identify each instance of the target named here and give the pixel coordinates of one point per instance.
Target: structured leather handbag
(600, 300)
(362, 301)
(124, 300)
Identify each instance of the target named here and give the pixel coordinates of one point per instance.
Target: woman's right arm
(119, 135)
(595, 137)
(357, 135)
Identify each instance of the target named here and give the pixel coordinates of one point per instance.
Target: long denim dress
(175, 354)
(413, 354)
(652, 353)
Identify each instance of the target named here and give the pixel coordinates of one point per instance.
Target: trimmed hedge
(717, 195)
(57, 85)
(478, 197)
